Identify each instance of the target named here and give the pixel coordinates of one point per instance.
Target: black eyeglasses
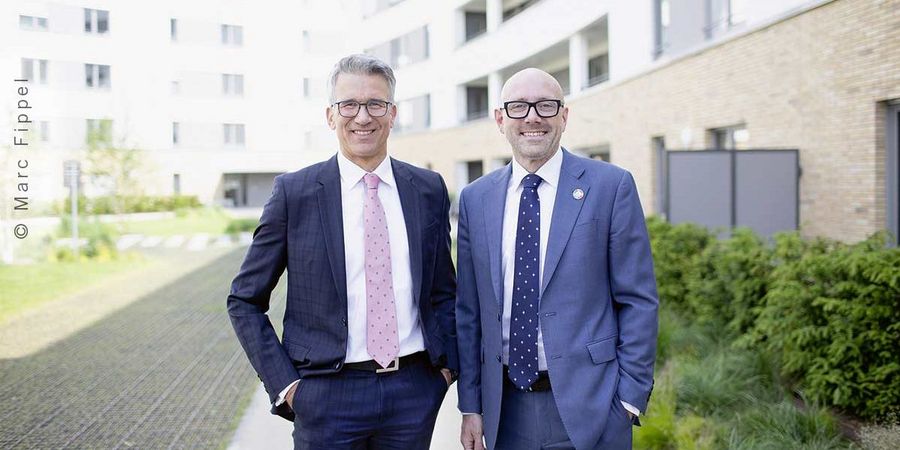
(350, 108)
(543, 108)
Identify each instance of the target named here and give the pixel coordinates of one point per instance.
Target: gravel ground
(165, 371)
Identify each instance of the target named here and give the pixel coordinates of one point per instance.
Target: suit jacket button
(344, 321)
(498, 358)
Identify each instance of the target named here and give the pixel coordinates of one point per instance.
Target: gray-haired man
(369, 343)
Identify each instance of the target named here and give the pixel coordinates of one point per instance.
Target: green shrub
(127, 204)
(241, 225)
(101, 241)
(832, 315)
(675, 251)
(727, 285)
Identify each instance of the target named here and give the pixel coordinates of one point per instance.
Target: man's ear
(393, 114)
(329, 117)
(498, 117)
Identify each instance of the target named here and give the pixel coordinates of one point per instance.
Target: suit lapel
(330, 212)
(565, 213)
(494, 203)
(409, 202)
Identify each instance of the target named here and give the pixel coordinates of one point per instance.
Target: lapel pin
(578, 194)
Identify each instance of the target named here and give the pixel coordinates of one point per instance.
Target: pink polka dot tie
(381, 316)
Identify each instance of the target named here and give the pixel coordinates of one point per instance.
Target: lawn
(26, 286)
(201, 220)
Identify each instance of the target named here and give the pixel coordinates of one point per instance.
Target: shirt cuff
(471, 414)
(281, 395)
(630, 408)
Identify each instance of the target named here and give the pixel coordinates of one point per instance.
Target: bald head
(527, 80)
(534, 137)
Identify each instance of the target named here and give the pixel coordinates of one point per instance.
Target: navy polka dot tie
(523, 325)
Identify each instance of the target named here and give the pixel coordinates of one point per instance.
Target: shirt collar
(549, 172)
(351, 174)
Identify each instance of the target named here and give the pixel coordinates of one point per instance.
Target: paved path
(163, 371)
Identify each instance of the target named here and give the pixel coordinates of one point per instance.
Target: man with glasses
(369, 342)
(556, 310)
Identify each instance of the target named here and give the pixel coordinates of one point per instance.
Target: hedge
(827, 312)
(127, 204)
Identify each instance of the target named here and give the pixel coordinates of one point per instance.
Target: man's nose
(362, 117)
(533, 116)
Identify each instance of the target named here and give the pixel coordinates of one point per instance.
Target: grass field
(26, 286)
(202, 220)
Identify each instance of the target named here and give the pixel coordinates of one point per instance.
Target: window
(663, 20)
(729, 138)
(474, 170)
(34, 70)
(598, 152)
(96, 21)
(234, 134)
(598, 69)
(305, 40)
(175, 133)
(232, 84)
(562, 76)
(97, 76)
(519, 7)
(404, 50)
(723, 15)
(414, 114)
(371, 7)
(659, 149)
(476, 24)
(33, 23)
(476, 102)
(173, 29)
(44, 130)
(99, 131)
(233, 35)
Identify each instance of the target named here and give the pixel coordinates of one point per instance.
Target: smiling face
(363, 139)
(534, 139)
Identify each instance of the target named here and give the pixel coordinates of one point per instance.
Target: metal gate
(723, 189)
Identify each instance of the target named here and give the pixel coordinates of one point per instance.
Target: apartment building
(218, 96)
(821, 78)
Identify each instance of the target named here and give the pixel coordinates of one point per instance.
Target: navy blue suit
(598, 302)
(301, 230)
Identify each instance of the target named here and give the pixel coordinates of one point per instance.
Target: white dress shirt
(549, 173)
(353, 193)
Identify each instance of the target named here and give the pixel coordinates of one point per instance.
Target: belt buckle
(390, 368)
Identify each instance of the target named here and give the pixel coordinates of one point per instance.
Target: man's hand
(472, 432)
(289, 397)
(447, 376)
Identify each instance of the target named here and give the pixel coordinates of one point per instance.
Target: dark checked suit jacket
(301, 230)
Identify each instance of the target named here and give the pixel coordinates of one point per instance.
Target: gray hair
(360, 64)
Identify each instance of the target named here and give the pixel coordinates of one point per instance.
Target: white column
(578, 59)
(494, 14)
(495, 85)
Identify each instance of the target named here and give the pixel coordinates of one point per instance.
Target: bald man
(556, 309)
